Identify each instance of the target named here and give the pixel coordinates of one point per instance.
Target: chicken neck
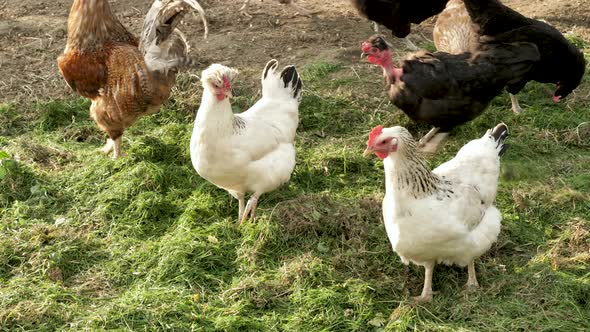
(92, 23)
(407, 173)
(392, 73)
(215, 115)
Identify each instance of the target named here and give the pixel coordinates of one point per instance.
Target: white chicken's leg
(426, 295)
(472, 277)
(108, 147)
(515, 106)
(250, 208)
(117, 148)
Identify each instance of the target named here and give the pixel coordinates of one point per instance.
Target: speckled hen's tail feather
(499, 133)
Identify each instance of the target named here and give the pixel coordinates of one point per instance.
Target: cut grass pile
(143, 243)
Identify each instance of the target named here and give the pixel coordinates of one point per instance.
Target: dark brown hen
(446, 90)
(561, 62)
(397, 15)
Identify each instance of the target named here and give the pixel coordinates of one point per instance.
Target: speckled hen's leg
(472, 277)
(426, 295)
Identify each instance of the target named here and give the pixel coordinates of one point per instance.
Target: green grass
(143, 243)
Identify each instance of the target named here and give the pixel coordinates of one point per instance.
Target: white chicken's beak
(368, 151)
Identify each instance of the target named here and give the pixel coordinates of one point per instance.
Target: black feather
(271, 64)
(290, 75)
(499, 133)
(397, 15)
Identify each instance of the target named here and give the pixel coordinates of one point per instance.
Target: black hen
(561, 62)
(446, 90)
(397, 15)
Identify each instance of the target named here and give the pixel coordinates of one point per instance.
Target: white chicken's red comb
(375, 132)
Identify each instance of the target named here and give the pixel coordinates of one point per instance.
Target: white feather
(255, 156)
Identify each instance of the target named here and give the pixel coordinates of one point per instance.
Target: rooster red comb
(375, 132)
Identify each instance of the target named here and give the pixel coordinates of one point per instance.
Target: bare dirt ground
(33, 34)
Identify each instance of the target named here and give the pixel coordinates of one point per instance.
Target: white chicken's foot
(515, 105)
(117, 148)
(250, 208)
(434, 143)
(472, 277)
(427, 293)
(108, 147)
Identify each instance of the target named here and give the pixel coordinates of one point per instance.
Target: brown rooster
(125, 78)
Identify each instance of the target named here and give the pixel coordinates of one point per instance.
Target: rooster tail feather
(287, 83)
(499, 134)
(163, 46)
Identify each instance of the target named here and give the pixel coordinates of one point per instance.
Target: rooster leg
(472, 277)
(108, 147)
(250, 208)
(243, 9)
(117, 148)
(515, 106)
(426, 295)
(428, 136)
(434, 143)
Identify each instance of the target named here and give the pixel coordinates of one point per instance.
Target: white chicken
(251, 152)
(444, 216)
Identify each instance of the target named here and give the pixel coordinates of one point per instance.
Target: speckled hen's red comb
(373, 134)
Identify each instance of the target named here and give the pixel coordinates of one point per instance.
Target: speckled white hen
(250, 152)
(442, 216)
